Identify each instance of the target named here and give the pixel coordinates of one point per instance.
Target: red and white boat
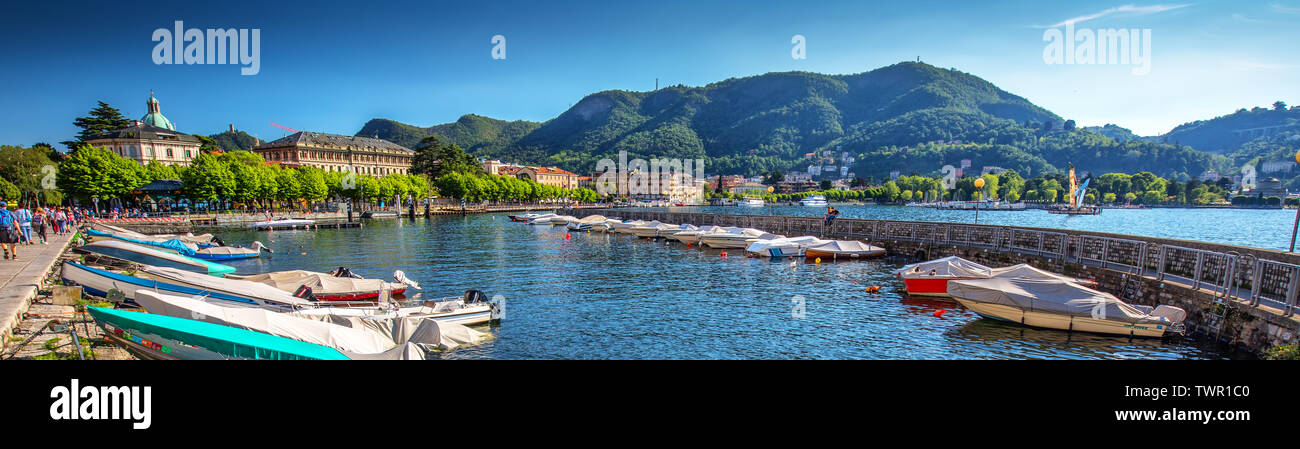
(931, 278)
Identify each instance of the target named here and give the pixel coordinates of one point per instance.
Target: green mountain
(908, 117)
(234, 140)
(1227, 133)
(475, 133)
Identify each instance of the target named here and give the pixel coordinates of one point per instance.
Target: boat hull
(724, 243)
(812, 254)
(930, 286)
(1063, 322)
(96, 282)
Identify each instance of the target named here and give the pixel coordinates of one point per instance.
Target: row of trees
(1110, 188)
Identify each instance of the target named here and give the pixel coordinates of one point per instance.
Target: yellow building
(153, 138)
(334, 152)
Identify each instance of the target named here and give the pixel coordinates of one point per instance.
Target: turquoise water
(1262, 228)
(602, 296)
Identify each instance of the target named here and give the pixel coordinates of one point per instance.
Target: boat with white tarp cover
(1059, 304)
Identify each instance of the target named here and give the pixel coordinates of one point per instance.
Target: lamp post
(979, 184)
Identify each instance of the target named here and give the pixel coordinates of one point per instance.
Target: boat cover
(122, 250)
(189, 237)
(226, 285)
(592, 219)
(1025, 271)
(1050, 296)
(176, 245)
(320, 283)
(951, 266)
(225, 340)
(343, 338)
(421, 330)
(227, 251)
(848, 247)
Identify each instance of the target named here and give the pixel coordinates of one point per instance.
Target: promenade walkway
(20, 279)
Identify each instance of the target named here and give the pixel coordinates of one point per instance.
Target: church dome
(155, 117)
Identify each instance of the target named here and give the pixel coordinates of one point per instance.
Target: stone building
(334, 152)
(152, 138)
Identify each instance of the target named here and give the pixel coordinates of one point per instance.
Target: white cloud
(1278, 7)
(1128, 10)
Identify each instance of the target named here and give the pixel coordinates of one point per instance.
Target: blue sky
(331, 66)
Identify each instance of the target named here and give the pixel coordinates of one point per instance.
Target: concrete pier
(1243, 296)
(22, 278)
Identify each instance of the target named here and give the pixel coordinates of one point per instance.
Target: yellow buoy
(817, 260)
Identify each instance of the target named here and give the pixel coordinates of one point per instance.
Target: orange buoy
(939, 313)
(723, 254)
(566, 236)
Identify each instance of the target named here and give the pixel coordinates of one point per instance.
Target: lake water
(602, 296)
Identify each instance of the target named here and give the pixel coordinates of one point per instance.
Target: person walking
(24, 218)
(38, 222)
(8, 231)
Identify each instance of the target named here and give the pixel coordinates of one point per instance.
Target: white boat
(668, 231)
(328, 286)
(752, 201)
(586, 223)
(1059, 304)
(100, 282)
(540, 219)
(740, 239)
(605, 226)
(931, 278)
(117, 249)
(626, 227)
(693, 236)
(283, 223)
(815, 200)
(843, 249)
(783, 247)
(364, 342)
(647, 229)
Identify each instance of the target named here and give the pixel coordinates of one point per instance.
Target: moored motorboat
(124, 251)
(101, 282)
(667, 231)
(153, 336)
(814, 200)
(752, 201)
(326, 286)
(693, 236)
(283, 223)
(625, 227)
(740, 239)
(843, 249)
(931, 278)
(586, 223)
(231, 252)
(1063, 305)
(646, 229)
(783, 247)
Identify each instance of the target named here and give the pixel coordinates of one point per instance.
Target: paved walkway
(20, 279)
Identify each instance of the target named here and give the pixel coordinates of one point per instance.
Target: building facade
(550, 176)
(334, 152)
(153, 138)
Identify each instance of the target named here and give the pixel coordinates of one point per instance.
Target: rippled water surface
(600, 296)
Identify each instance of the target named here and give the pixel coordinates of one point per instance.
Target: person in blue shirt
(24, 218)
(8, 230)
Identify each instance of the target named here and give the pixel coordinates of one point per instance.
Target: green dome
(155, 117)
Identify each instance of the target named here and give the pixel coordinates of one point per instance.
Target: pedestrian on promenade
(39, 221)
(8, 231)
(24, 218)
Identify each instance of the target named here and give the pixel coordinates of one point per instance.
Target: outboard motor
(218, 241)
(305, 292)
(475, 296)
(344, 272)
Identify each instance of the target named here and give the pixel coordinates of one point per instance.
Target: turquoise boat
(163, 337)
(150, 256)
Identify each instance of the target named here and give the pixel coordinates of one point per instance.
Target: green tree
(96, 172)
(208, 179)
(435, 158)
(102, 118)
